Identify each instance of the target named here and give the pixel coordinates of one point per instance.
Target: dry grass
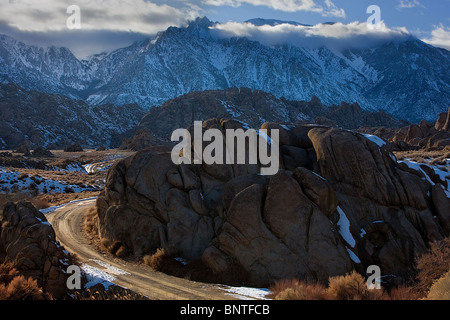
(90, 225)
(431, 282)
(21, 288)
(404, 292)
(294, 289)
(56, 199)
(440, 290)
(434, 158)
(43, 201)
(433, 264)
(14, 286)
(63, 167)
(116, 248)
(38, 202)
(161, 261)
(351, 286)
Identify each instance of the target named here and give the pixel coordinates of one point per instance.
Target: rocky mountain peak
(407, 79)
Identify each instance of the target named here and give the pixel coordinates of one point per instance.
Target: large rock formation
(443, 122)
(339, 202)
(28, 241)
(425, 136)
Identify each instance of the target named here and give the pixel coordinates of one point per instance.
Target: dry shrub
(195, 270)
(440, 290)
(21, 288)
(40, 203)
(155, 261)
(16, 287)
(404, 293)
(118, 249)
(7, 272)
(433, 264)
(12, 197)
(91, 223)
(114, 247)
(351, 286)
(122, 252)
(161, 261)
(104, 244)
(298, 290)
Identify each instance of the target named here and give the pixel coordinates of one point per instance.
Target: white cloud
(282, 5)
(329, 8)
(332, 10)
(113, 15)
(440, 37)
(336, 36)
(408, 4)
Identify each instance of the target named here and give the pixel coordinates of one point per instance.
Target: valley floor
(65, 187)
(49, 181)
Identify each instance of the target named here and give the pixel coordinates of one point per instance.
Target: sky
(104, 25)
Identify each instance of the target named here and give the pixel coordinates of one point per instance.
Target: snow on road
(80, 201)
(247, 293)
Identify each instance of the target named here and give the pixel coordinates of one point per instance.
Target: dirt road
(67, 222)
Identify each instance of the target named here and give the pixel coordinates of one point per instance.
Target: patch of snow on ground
(246, 293)
(109, 268)
(96, 276)
(74, 167)
(95, 167)
(51, 209)
(10, 180)
(443, 175)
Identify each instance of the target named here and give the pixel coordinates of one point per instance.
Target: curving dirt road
(67, 222)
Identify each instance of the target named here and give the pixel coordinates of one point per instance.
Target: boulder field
(339, 202)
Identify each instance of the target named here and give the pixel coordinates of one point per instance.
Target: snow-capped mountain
(408, 79)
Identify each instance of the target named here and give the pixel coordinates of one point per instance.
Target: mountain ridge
(52, 121)
(409, 80)
(250, 108)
